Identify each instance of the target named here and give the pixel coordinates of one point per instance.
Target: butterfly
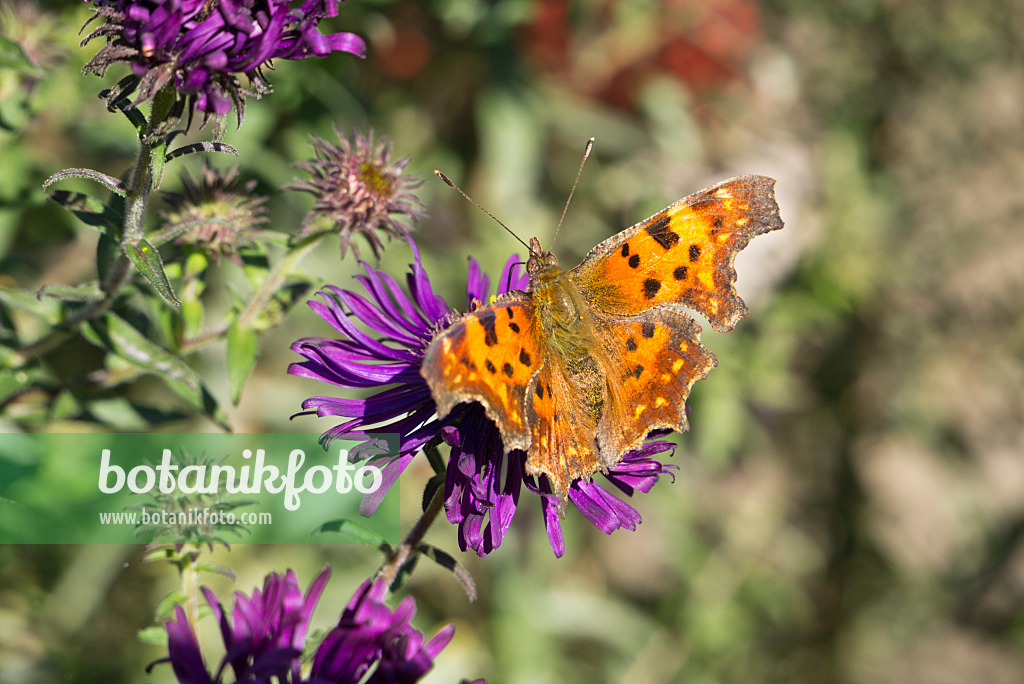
(579, 368)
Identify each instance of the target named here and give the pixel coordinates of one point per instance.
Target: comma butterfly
(580, 367)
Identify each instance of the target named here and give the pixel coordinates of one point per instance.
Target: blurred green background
(850, 501)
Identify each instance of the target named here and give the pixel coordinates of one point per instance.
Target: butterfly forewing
(683, 254)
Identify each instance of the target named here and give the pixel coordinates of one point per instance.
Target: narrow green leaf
(155, 635)
(147, 260)
(109, 182)
(46, 309)
(352, 531)
(89, 210)
(89, 292)
(134, 350)
(202, 147)
(445, 560)
(243, 349)
(108, 250)
(217, 569)
(115, 334)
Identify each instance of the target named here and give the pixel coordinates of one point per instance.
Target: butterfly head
(541, 264)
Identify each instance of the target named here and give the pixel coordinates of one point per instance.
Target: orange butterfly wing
(682, 255)
(638, 353)
(644, 368)
(489, 356)
(654, 359)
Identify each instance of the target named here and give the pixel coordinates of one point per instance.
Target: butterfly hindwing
(489, 355)
(683, 254)
(653, 360)
(562, 429)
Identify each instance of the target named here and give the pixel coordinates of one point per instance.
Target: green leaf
(47, 309)
(256, 266)
(445, 560)
(351, 530)
(12, 56)
(202, 147)
(108, 250)
(155, 635)
(89, 292)
(243, 349)
(217, 568)
(115, 334)
(64, 406)
(89, 210)
(147, 260)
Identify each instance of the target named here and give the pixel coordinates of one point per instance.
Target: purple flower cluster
(483, 483)
(266, 633)
(200, 45)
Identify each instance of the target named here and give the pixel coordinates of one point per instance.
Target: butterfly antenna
(475, 204)
(586, 153)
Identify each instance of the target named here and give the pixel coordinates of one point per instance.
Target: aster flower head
(265, 635)
(383, 334)
(200, 47)
(216, 213)
(358, 190)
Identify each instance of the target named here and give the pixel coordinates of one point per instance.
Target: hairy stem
(404, 552)
(145, 178)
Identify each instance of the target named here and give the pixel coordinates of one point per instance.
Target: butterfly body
(578, 369)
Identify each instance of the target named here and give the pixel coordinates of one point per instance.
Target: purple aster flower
(264, 639)
(483, 484)
(200, 46)
(369, 634)
(358, 189)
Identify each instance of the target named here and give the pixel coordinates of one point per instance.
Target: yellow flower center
(374, 181)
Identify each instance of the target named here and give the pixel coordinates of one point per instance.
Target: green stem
(404, 552)
(145, 178)
(190, 589)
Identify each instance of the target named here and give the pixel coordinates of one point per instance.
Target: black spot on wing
(490, 366)
(634, 261)
(524, 358)
(679, 273)
(661, 233)
(694, 252)
(513, 326)
(539, 391)
(647, 329)
(634, 372)
(507, 369)
(487, 323)
(631, 344)
(651, 287)
(625, 250)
